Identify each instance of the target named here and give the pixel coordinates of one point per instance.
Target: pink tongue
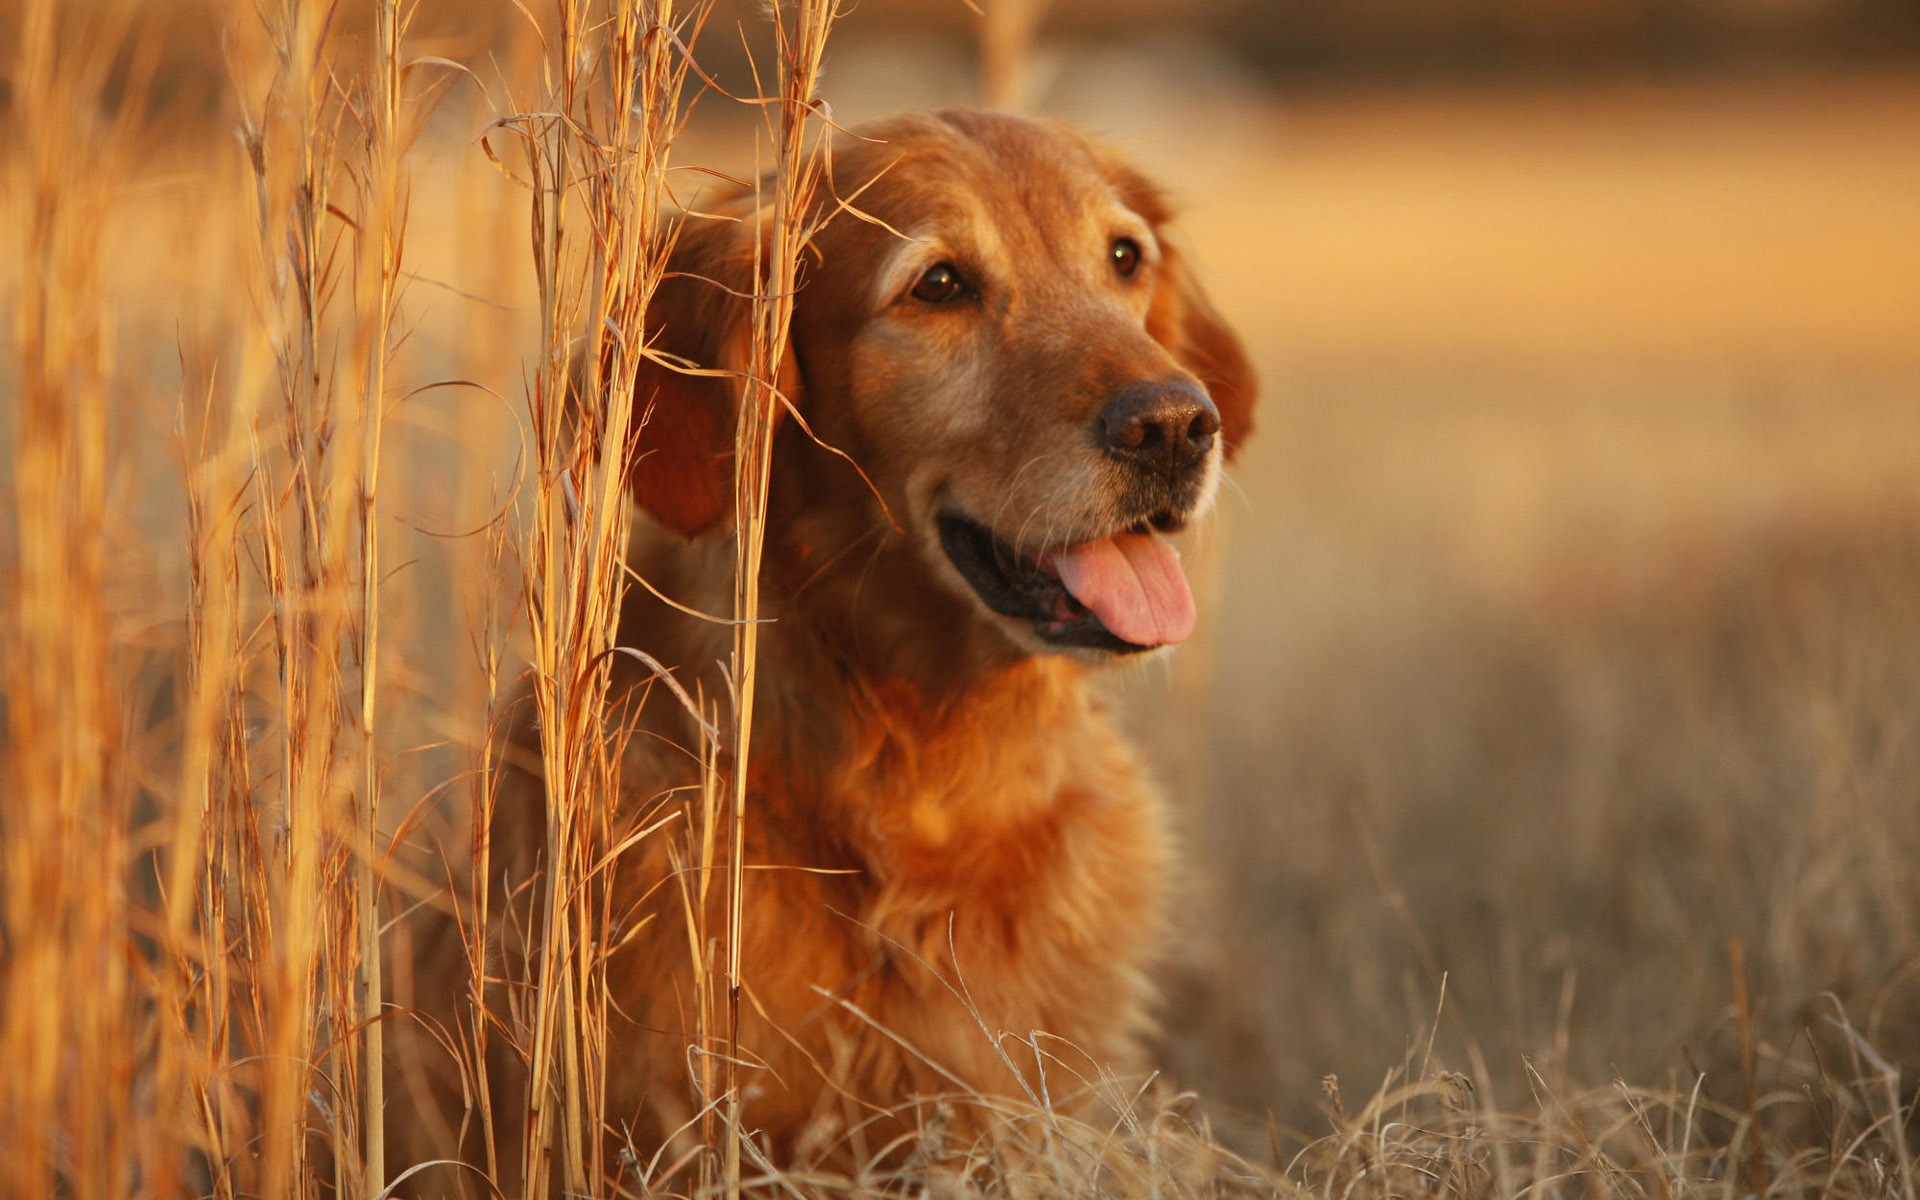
(1134, 584)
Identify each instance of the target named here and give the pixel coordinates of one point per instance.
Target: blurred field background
(1556, 718)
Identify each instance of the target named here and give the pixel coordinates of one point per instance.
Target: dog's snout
(1172, 422)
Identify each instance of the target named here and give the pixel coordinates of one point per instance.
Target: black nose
(1170, 422)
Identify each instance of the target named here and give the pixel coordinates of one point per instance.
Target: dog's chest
(1024, 868)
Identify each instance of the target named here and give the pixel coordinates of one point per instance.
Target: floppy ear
(1183, 320)
(701, 314)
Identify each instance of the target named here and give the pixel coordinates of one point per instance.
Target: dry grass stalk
(596, 159)
(328, 154)
(800, 39)
(381, 237)
(70, 996)
(1007, 28)
(287, 882)
(276, 938)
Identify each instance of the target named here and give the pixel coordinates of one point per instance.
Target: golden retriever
(955, 843)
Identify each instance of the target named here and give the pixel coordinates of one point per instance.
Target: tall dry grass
(597, 169)
(235, 1038)
(231, 1038)
(302, 486)
(72, 996)
(595, 152)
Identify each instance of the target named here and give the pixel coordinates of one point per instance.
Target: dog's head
(1000, 331)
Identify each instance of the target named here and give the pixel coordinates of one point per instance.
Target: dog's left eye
(1126, 256)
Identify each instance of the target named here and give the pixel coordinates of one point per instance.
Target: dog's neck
(868, 665)
(921, 740)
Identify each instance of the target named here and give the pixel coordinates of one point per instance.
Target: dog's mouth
(1122, 593)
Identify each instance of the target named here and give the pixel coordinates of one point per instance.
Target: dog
(1010, 390)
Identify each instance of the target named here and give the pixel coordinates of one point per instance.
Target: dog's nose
(1171, 422)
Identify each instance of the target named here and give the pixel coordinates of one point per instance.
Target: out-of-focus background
(1562, 631)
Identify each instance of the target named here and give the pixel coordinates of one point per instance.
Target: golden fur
(957, 836)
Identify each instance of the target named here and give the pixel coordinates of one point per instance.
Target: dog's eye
(940, 285)
(1126, 256)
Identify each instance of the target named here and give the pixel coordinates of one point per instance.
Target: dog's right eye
(941, 285)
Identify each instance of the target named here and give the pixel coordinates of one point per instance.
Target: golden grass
(63, 715)
(1529, 703)
(595, 173)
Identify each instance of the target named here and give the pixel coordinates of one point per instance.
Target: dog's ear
(700, 315)
(1181, 317)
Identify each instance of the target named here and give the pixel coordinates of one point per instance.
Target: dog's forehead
(975, 166)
